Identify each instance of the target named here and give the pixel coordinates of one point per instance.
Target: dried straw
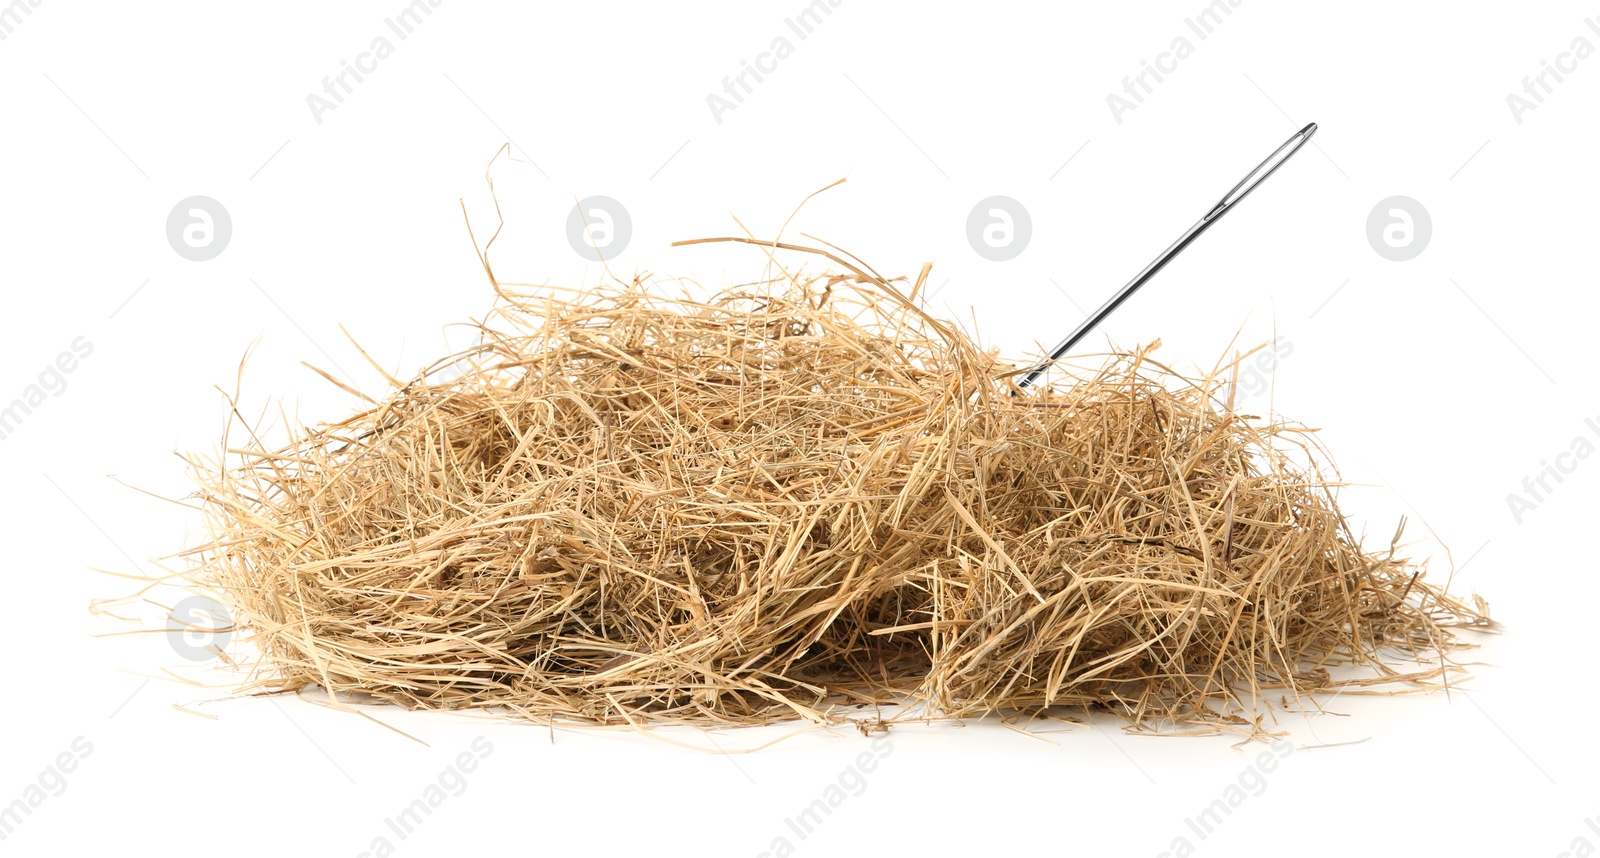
(792, 498)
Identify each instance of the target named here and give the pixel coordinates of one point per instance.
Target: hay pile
(797, 496)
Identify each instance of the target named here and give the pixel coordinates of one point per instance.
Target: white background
(1439, 383)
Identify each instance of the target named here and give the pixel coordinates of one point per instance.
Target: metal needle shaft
(1229, 200)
